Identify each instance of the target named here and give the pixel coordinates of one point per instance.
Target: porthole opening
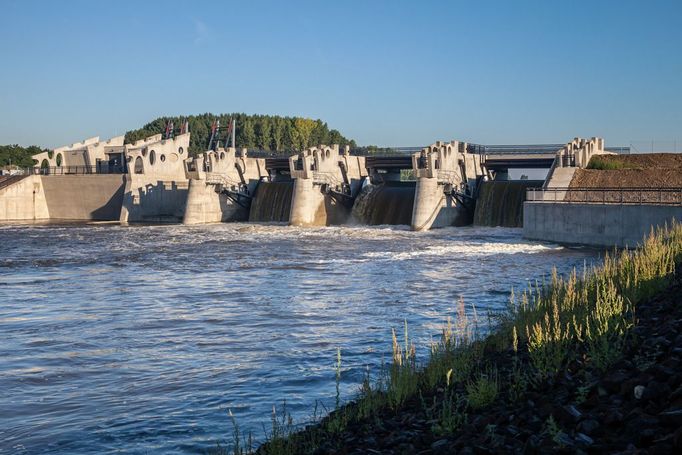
(162, 158)
(181, 151)
(152, 157)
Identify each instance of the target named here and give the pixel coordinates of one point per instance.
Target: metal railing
(326, 178)
(661, 196)
(76, 170)
(213, 178)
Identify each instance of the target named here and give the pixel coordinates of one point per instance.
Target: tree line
(17, 155)
(262, 132)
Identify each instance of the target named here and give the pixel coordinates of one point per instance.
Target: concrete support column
(203, 204)
(307, 204)
(428, 201)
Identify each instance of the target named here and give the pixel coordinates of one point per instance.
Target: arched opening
(44, 165)
(139, 165)
(50, 154)
(152, 157)
(59, 159)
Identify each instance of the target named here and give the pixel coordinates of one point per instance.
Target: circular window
(222, 155)
(59, 159)
(162, 158)
(181, 151)
(144, 152)
(152, 157)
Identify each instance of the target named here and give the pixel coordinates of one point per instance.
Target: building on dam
(444, 184)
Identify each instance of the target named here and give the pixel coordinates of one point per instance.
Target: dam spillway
(500, 203)
(272, 202)
(389, 203)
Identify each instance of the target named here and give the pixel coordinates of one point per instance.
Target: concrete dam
(153, 180)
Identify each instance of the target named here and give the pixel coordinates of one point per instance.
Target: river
(138, 339)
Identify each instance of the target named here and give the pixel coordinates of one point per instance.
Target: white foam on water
(465, 250)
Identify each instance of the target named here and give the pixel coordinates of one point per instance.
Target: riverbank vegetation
(262, 132)
(586, 362)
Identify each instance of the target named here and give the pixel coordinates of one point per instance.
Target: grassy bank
(520, 388)
(609, 163)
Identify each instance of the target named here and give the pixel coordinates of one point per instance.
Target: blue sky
(386, 73)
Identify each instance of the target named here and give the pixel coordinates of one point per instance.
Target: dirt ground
(651, 170)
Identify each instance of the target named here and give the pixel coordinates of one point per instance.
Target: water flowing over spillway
(140, 338)
(389, 203)
(272, 202)
(500, 203)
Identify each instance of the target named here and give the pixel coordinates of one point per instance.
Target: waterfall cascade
(500, 203)
(272, 202)
(387, 203)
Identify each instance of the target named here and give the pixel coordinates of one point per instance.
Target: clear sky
(386, 73)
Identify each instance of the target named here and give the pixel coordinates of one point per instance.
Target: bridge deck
(277, 164)
(519, 160)
(388, 162)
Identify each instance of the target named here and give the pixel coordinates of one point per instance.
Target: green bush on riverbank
(578, 324)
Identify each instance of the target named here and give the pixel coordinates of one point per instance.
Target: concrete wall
(84, 197)
(156, 184)
(63, 197)
(604, 225)
(24, 201)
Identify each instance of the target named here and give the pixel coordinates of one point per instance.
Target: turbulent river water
(139, 339)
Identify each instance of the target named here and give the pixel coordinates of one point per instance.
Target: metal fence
(76, 170)
(656, 146)
(664, 196)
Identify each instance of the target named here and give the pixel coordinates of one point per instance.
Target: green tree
(282, 134)
(263, 132)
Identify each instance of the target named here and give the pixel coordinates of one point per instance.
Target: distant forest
(17, 155)
(263, 132)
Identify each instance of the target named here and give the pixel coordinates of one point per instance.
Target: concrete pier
(221, 185)
(446, 176)
(326, 182)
